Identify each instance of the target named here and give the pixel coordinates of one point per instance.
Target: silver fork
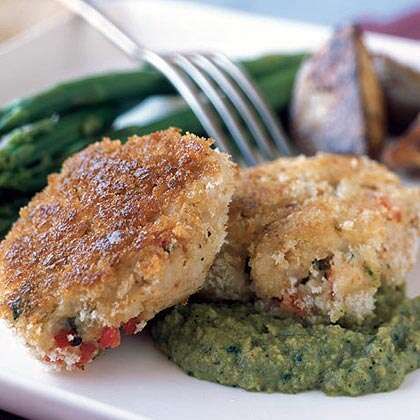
(217, 90)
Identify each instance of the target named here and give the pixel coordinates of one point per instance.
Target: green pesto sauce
(239, 346)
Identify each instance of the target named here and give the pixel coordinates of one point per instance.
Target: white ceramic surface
(136, 381)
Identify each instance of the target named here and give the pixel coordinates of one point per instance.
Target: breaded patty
(316, 237)
(124, 231)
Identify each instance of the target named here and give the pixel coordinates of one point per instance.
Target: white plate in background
(136, 381)
(66, 48)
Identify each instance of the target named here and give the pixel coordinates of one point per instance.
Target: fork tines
(218, 91)
(223, 97)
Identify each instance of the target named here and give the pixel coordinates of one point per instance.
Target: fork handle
(97, 19)
(103, 24)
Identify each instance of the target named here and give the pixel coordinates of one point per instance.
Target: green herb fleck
(16, 306)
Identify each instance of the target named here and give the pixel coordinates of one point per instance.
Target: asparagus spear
(31, 176)
(113, 86)
(276, 88)
(16, 147)
(29, 153)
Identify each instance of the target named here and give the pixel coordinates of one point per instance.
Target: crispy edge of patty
(274, 207)
(123, 231)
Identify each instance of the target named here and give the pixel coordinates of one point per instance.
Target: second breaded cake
(124, 231)
(317, 237)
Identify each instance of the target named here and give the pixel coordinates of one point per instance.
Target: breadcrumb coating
(124, 231)
(317, 237)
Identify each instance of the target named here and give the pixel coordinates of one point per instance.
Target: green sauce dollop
(237, 345)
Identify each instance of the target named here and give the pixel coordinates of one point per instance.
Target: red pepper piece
(87, 351)
(61, 339)
(130, 326)
(110, 338)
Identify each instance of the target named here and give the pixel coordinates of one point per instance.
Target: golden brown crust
(107, 223)
(96, 213)
(288, 215)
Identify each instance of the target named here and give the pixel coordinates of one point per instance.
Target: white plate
(136, 381)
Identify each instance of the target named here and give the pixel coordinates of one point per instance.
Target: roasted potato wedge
(404, 153)
(337, 103)
(401, 88)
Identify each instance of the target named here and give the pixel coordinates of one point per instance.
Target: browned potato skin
(337, 103)
(404, 152)
(291, 217)
(401, 88)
